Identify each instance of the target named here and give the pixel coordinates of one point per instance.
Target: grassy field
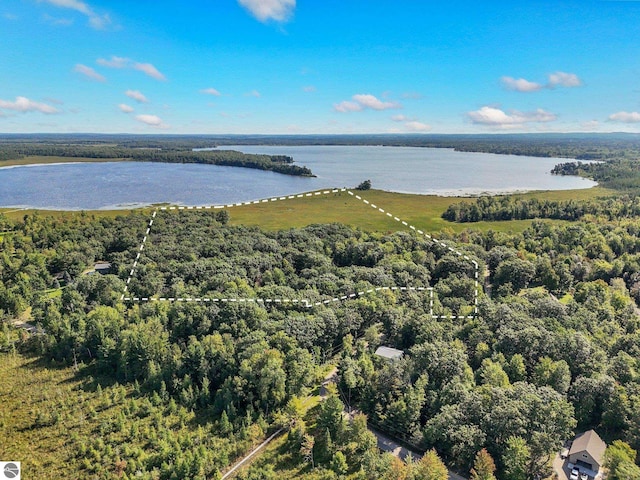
(36, 159)
(25, 388)
(422, 211)
(19, 213)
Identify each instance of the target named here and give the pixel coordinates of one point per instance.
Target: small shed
(102, 267)
(587, 451)
(389, 353)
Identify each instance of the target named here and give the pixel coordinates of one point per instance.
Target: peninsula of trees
(153, 153)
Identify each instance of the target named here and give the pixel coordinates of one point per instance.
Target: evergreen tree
(330, 417)
(323, 448)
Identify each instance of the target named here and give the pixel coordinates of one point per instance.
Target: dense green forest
(153, 153)
(555, 348)
(503, 208)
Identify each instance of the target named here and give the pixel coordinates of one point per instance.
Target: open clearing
(422, 211)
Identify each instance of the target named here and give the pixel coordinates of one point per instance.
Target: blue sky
(319, 66)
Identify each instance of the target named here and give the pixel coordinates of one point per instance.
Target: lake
(92, 186)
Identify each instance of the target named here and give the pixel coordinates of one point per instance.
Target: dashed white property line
(304, 302)
(437, 242)
(135, 263)
(253, 202)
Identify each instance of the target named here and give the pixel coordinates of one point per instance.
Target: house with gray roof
(587, 451)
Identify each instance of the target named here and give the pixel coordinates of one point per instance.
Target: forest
(555, 348)
(504, 208)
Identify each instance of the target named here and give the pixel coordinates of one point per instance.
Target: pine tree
(323, 447)
(225, 426)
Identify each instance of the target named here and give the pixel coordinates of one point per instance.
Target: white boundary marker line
(306, 303)
(437, 242)
(251, 454)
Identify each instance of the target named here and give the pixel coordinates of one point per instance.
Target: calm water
(402, 169)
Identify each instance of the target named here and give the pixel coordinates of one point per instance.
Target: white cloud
(309, 88)
(125, 108)
(370, 101)
(253, 93)
(265, 10)
(115, 62)
(24, 105)
(347, 106)
(123, 62)
(149, 70)
(411, 124)
(415, 126)
(556, 79)
(496, 117)
(625, 117)
(89, 73)
(151, 120)
(95, 20)
(136, 95)
(562, 79)
(211, 91)
(520, 84)
(362, 101)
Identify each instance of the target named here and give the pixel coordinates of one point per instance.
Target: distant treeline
(621, 174)
(275, 163)
(579, 146)
(511, 208)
